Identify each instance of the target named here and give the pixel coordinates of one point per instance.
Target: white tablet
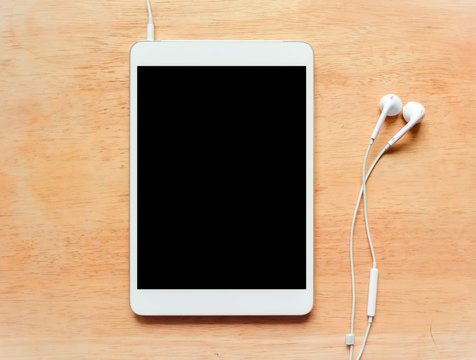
(221, 178)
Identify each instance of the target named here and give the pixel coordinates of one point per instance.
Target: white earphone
(390, 105)
(413, 112)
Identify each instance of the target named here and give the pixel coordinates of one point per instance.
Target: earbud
(390, 105)
(413, 112)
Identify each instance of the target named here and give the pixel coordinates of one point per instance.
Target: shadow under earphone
(220, 320)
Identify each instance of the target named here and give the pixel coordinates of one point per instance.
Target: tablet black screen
(221, 177)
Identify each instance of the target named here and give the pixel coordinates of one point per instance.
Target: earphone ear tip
(394, 104)
(413, 110)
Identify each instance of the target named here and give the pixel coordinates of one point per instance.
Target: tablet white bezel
(222, 302)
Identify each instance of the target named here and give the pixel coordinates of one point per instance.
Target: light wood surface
(64, 167)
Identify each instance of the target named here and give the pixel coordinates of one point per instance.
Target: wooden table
(64, 167)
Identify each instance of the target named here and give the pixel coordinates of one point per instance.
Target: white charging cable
(350, 338)
(150, 24)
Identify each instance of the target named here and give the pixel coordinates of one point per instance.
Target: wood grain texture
(64, 119)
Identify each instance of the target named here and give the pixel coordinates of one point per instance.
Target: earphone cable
(367, 228)
(365, 338)
(352, 246)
